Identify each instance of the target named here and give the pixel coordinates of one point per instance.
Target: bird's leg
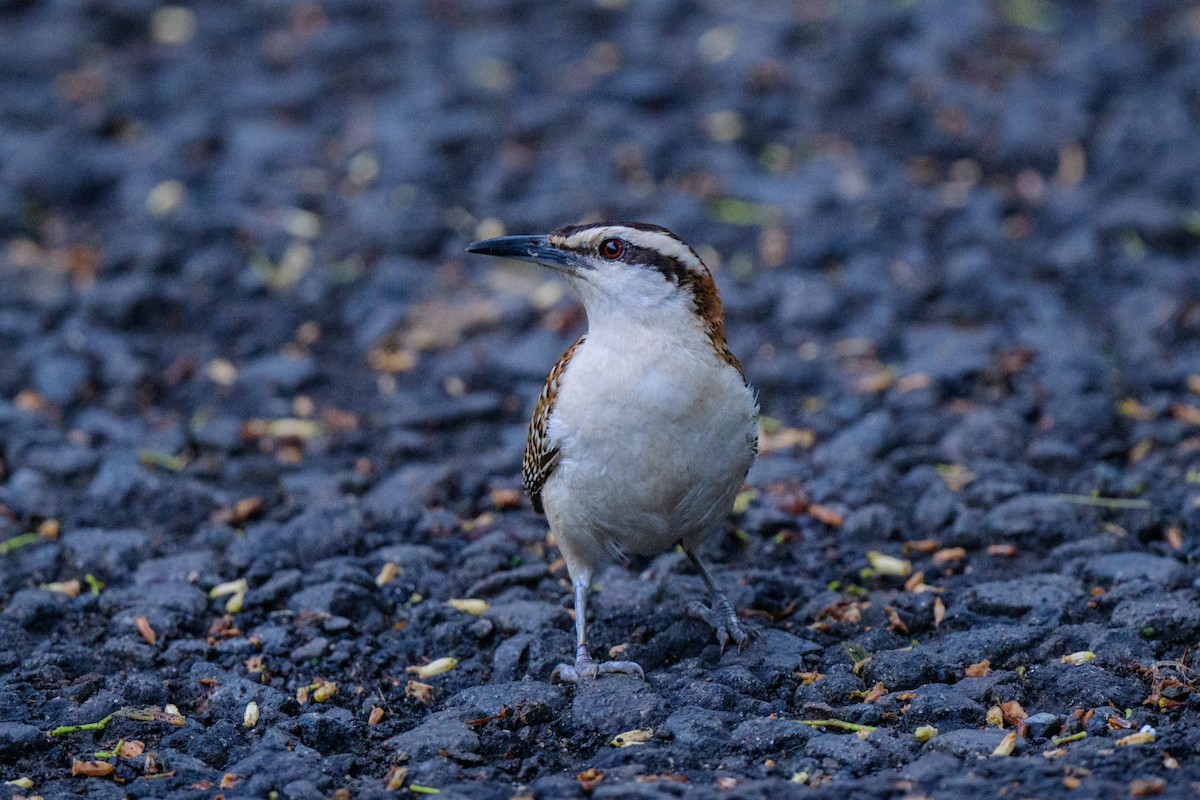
(585, 667)
(720, 614)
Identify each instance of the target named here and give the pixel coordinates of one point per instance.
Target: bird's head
(623, 271)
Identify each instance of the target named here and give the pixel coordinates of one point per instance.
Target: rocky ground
(261, 417)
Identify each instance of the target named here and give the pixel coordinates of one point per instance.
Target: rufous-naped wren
(646, 426)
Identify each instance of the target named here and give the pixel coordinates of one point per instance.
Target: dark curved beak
(527, 248)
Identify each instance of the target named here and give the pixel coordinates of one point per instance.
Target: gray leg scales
(585, 667)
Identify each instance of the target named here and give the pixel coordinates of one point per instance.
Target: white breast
(655, 439)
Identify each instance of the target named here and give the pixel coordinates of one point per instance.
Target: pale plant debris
(1006, 746)
(838, 724)
(884, 564)
(469, 605)
(395, 778)
(435, 667)
(1076, 659)
(1074, 737)
(924, 733)
(387, 573)
(634, 737)
(1145, 735)
(145, 630)
(955, 476)
(250, 717)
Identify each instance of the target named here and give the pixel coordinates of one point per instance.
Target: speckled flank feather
(541, 459)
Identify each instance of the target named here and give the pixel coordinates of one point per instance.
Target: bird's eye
(612, 249)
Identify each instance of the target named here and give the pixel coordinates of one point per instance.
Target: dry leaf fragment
(1082, 657)
(895, 624)
(1147, 787)
(435, 667)
(395, 778)
(376, 716)
(421, 692)
(1174, 537)
(131, 749)
(91, 769)
(589, 778)
(939, 611)
(506, 499)
(147, 632)
(1007, 745)
(1003, 550)
(980, 669)
(635, 736)
(825, 515)
(995, 717)
(229, 780)
(948, 554)
(925, 546)
(1071, 782)
(1187, 414)
(1013, 713)
(884, 564)
(877, 691)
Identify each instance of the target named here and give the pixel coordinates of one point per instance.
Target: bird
(646, 426)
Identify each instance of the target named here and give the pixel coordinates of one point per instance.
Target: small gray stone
(17, 738)
(310, 649)
(967, 742)
(111, 552)
(435, 734)
(1018, 596)
(615, 704)
(698, 729)
(944, 706)
(1115, 568)
(772, 735)
(528, 702)
(1040, 516)
(527, 615)
(1043, 725)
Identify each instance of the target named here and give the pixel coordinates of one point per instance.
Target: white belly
(653, 449)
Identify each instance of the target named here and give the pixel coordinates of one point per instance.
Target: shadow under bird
(646, 427)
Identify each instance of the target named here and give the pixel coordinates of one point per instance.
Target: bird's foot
(723, 620)
(587, 669)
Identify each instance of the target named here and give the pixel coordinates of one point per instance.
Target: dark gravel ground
(240, 341)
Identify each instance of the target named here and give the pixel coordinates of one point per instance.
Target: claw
(587, 669)
(723, 621)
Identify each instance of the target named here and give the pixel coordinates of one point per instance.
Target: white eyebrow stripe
(651, 240)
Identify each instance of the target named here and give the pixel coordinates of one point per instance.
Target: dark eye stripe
(671, 268)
